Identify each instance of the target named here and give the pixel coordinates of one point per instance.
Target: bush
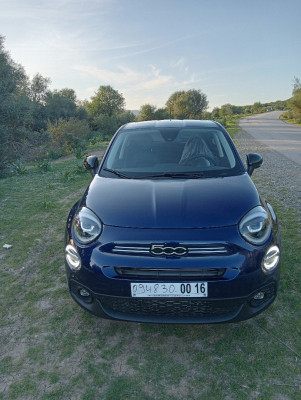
(45, 166)
(80, 152)
(69, 134)
(54, 153)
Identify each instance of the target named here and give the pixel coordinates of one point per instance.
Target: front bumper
(174, 310)
(107, 291)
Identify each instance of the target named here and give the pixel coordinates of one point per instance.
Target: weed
(45, 166)
(67, 175)
(48, 205)
(80, 152)
(80, 169)
(18, 168)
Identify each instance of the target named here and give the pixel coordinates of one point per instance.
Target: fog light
(259, 296)
(271, 259)
(84, 295)
(258, 299)
(72, 258)
(84, 292)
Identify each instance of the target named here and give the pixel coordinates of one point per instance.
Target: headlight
(86, 226)
(256, 226)
(72, 258)
(271, 259)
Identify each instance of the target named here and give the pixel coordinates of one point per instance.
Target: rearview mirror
(254, 161)
(91, 164)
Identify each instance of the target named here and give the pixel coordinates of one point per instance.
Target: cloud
(148, 48)
(150, 79)
(149, 85)
(178, 63)
(123, 75)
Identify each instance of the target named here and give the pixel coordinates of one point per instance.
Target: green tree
(15, 107)
(147, 112)
(125, 117)
(106, 101)
(295, 101)
(256, 107)
(174, 102)
(162, 113)
(226, 110)
(187, 104)
(61, 104)
(215, 113)
(37, 92)
(38, 88)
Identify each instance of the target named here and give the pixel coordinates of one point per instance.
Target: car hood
(171, 203)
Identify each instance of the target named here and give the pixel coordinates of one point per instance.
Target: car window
(149, 152)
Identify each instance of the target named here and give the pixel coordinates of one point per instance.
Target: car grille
(178, 308)
(147, 273)
(192, 249)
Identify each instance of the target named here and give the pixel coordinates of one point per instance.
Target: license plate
(150, 289)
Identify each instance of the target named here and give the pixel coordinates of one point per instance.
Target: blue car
(172, 229)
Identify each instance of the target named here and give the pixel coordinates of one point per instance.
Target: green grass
(52, 349)
(289, 120)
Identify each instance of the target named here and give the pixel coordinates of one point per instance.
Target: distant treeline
(38, 123)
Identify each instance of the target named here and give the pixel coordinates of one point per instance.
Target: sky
(234, 51)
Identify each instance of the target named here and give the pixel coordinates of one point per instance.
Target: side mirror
(254, 161)
(91, 164)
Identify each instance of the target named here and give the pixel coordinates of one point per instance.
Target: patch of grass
(25, 386)
(286, 118)
(52, 347)
(126, 388)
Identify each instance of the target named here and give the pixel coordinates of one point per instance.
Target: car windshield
(171, 152)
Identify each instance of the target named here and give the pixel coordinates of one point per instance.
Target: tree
(37, 92)
(162, 113)
(147, 112)
(226, 110)
(187, 104)
(61, 104)
(15, 107)
(256, 107)
(215, 113)
(38, 88)
(125, 117)
(173, 101)
(106, 101)
(295, 101)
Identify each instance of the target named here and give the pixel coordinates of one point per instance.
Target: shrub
(45, 166)
(68, 134)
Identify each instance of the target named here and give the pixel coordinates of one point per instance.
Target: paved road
(275, 133)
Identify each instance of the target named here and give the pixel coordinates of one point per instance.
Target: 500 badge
(164, 250)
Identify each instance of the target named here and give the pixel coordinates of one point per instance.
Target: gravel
(278, 178)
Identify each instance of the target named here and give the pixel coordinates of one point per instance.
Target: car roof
(173, 123)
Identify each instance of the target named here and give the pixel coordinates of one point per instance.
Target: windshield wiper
(117, 173)
(190, 175)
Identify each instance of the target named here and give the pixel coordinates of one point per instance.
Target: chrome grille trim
(184, 273)
(193, 250)
(207, 250)
(130, 249)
